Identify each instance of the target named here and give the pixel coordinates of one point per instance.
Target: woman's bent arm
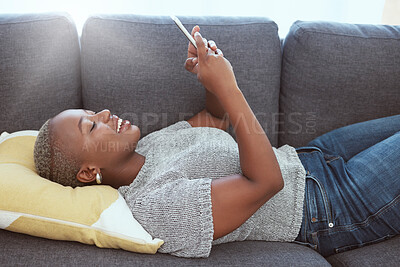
(237, 197)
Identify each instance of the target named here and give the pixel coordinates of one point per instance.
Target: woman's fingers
(192, 52)
(195, 29)
(212, 45)
(190, 64)
(205, 42)
(214, 48)
(201, 46)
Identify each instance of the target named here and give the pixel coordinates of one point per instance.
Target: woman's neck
(126, 172)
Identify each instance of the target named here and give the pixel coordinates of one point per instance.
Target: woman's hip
(339, 212)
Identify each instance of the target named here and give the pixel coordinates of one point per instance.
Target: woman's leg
(352, 139)
(375, 172)
(353, 198)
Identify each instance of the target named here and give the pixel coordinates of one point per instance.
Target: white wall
(283, 12)
(391, 12)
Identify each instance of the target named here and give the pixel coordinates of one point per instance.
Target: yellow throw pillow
(35, 206)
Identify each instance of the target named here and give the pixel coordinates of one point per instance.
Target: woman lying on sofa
(193, 186)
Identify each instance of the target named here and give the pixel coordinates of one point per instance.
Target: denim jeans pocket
(350, 247)
(319, 208)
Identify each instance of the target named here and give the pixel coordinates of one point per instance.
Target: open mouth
(122, 125)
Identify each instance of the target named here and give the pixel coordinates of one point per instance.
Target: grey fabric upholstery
(332, 75)
(39, 69)
(133, 65)
(381, 254)
(40, 251)
(335, 74)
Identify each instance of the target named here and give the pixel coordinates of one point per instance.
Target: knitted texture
(171, 195)
(52, 159)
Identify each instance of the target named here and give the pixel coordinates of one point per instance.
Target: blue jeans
(352, 195)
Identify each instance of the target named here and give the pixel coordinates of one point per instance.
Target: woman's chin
(133, 129)
(130, 129)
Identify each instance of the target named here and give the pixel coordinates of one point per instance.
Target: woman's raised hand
(213, 70)
(192, 60)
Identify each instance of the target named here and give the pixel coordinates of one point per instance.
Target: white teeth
(119, 125)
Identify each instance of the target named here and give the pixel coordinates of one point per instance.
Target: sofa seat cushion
(335, 74)
(381, 254)
(133, 65)
(27, 250)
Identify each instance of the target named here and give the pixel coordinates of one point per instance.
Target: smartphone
(183, 29)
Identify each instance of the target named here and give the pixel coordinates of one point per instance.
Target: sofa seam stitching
(171, 23)
(35, 20)
(304, 31)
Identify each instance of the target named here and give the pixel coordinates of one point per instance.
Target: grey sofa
(320, 77)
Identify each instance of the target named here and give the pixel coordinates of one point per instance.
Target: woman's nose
(104, 115)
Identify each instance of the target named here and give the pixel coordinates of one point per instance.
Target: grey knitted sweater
(171, 195)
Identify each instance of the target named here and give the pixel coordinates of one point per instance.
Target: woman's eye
(94, 125)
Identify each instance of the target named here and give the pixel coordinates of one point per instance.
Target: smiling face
(96, 138)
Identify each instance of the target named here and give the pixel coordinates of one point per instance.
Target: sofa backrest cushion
(134, 66)
(335, 74)
(39, 69)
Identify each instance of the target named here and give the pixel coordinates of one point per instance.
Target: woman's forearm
(213, 106)
(257, 159)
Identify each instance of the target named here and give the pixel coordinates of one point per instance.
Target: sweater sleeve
(179, 213)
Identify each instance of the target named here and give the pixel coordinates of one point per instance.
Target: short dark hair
(53, 160)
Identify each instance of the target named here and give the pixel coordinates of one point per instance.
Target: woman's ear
(87, 174)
